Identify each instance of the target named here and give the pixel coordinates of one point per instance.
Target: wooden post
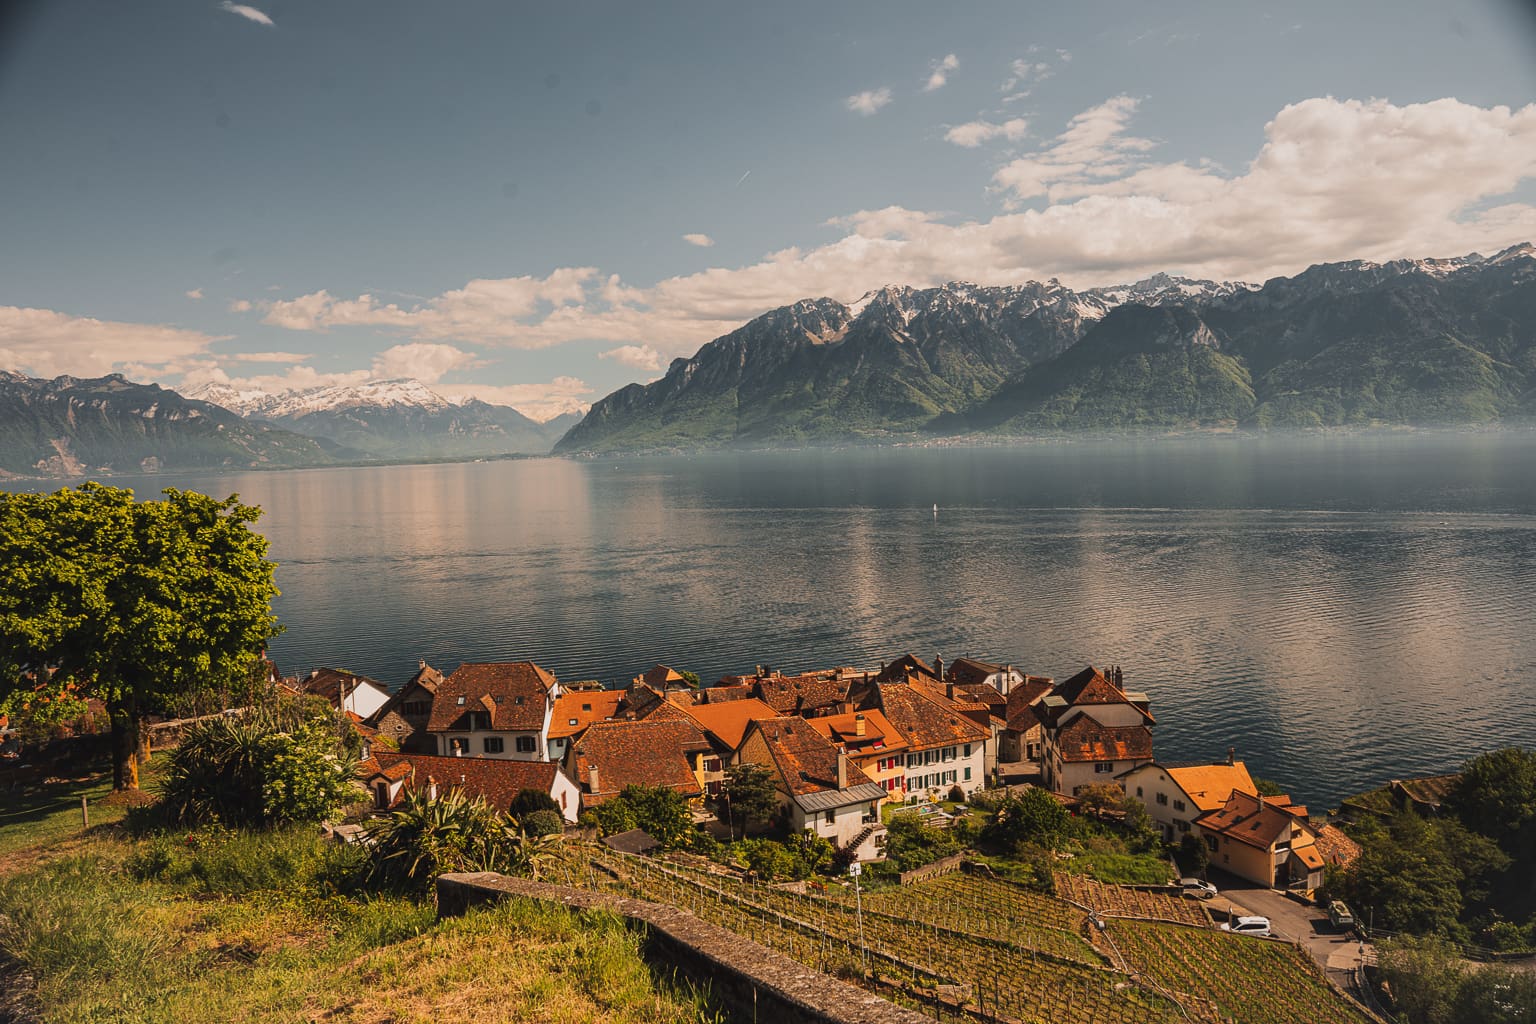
(85, 814)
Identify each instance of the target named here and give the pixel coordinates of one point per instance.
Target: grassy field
(213, 926)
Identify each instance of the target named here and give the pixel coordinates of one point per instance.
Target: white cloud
(641, 357)
(869, 101)
(1024, 71)
(938, 72)
(1333, 180)
(703, 241)
(240, 306)
(46, 343)
(266, 357)
(423, 361)
(542, 402)
(195, 293)
(974, 133)
(249, 13)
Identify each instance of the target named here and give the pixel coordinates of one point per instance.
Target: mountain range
(70, 426)
(1427, 342)
(396, 419)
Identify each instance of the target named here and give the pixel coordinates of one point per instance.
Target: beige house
(1093, 731)
(1265, 840)
(873, 744)
(1176, 795)
(494, 709)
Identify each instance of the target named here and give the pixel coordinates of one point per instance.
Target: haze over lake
(1340, 609)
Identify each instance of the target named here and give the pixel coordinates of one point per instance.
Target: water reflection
(1339, 609)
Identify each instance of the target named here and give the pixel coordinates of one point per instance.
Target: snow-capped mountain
(399, 418)
(1407, 341)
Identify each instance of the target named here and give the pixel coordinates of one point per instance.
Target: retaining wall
(754, 982)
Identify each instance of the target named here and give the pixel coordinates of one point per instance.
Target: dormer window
(461, 700)
(584, 707)
(570, 721)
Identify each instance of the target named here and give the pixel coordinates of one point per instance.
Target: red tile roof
(652, 752)
(926, 718)
(1023, 713)
(804, 758)
(334, 683)
(908, 664)
(513, 693)
(808, 691)
(1336, 847)
(1083, 740)
(495, 780)
(720, 694)
(1249, 820)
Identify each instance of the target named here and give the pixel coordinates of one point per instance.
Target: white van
(1258, 926)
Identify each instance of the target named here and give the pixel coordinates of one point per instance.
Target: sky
(535, 204)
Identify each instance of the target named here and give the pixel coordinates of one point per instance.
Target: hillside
(1419, 342)
(69, 427)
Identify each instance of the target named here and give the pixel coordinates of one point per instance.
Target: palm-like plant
(426, 836)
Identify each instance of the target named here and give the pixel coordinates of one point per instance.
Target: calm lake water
(1341, 610)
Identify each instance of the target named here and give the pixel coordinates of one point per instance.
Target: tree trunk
(142, 750)
(126, 729)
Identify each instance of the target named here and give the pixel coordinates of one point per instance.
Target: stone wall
(754, 982)
(942, 866)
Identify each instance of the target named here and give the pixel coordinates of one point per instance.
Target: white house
(494, 709)
(1093, 732)
(1176, 795)
(346, 691)
(945, 749)
(389, 776)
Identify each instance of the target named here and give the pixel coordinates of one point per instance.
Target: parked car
(1340, 916)
(1257, 926)
(1197, 887)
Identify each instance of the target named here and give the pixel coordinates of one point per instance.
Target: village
(840, 744)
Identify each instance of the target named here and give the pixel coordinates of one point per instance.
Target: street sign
(855, 869)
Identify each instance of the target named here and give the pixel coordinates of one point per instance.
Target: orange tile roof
(1209, 785)
(1090, 686)
(1337, 848)
(575, 711)
(719, 694)
(844, 729)
(659, 676)
(728, 721)
(1309, 856)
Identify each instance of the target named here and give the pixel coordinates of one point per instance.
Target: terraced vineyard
(1122, 901)
(1008, 952)
(1251, 981)
(997, 976)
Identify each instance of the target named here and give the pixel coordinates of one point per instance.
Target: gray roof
(636, 840)
(827, 799)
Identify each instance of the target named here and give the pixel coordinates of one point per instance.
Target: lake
(1340, 609)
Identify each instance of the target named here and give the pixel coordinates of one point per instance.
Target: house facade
(873, 745)
(1175, 796)
(1265, 840)
(346, 691)
(944, 749)
(494, 709)
(1092, 732)
(404, 717)
(663, 752)
(388, 777)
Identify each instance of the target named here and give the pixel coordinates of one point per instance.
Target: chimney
(842, 768)
(858, 724)
(1119, 678)
(938, 666)
(421, 663)
(592, 779)
(757, 670)
(1231, 755)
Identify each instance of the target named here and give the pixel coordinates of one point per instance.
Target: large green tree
(137, 603)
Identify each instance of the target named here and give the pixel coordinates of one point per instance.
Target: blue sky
(498, 198)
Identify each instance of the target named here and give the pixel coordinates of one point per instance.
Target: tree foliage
(748, 796)
(1034, 817)
(136, 603)
(663, 814)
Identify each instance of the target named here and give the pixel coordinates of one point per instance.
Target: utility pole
(855, 870)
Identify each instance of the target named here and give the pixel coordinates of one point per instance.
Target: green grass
(1120, 868)
(42, 814)
(269, 927)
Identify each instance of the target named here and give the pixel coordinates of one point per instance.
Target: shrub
(529, 800)
(256, 772)
(424, 837)
(542, 823)
(909, 843)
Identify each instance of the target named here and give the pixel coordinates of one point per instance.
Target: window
(913, 760)
(830, 817)
(967, 750)
(416, 707)
(518, 701)
(1178, 805)
(493, 744)
(967, 774)
(525, 744)
(1104, 767)
(1138, 791)
(1183, 826)
(458, 746)
(461, 700)
(584, 707)
(570, 721)
(381, 795)
(712, 764)
(1162, 798)
(479, 720)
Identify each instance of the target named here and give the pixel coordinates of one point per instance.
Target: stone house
(403, 718)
